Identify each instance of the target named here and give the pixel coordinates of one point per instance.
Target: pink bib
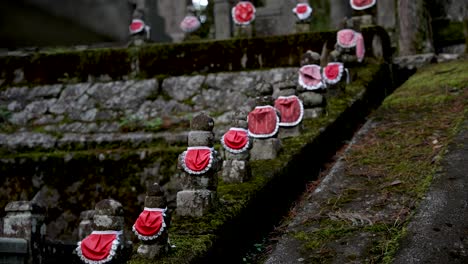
(291, 110)
(361, 4)
(263, 122)
(310, 77)
(243, 13)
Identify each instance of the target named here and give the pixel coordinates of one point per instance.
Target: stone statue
(152, 224)
(336, 77)
(311, 88)
(349, 47)
(263, 124)
(139, 30)
(107, 242)
(237, 144)
(199, 164)
(291, 110)
(303, 13)
(243, 14)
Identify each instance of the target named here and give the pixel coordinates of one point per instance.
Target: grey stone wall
(60, 115)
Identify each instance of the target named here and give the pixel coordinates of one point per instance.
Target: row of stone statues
(255, 135)
(242, 14)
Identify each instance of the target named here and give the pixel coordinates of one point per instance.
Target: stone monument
(237, 145)
(311, 88)
(243, 15)
(303, 12)
(140, 32)
(152, 224)
(107, 242)
(199, 164)
(336, 77)
(263, 125)
(291, 110)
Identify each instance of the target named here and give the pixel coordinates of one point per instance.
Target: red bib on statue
(99, 246)
(361, 4)
(197, 160)
(263, 122)
(291, 110)
(235, 140)
(333, 72)
(149, 224)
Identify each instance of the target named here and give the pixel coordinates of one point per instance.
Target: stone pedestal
(264, 149)
(285, 132)
(314, 112)
(245, 31)
(26, 220)
(236, 168)
(195, 202)
(302, 27)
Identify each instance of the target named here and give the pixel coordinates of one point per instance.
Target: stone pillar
(222, 19)
(107, 242)
(237, 145)
(386, 14)
(26, 220)
(152, 224)
(263, 124)
(199, 164)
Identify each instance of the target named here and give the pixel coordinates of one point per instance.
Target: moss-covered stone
(159, 59)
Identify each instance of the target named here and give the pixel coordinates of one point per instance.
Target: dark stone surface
(438, 233)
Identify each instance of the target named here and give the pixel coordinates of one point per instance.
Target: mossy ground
(385, 173)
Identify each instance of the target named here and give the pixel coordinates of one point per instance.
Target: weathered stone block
(107, 222)
(313, 112)
(236, 171)
(197, 182)
(152, 251)
(263, 149)
(195, 202)
(200, 138)
(285, 132)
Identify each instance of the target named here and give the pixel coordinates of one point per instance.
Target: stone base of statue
(302, 27)
(294, 131)
(154, 250)
(315, 112)
(264, 149)
(244, 31)
(195, 202)
(236, 171)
